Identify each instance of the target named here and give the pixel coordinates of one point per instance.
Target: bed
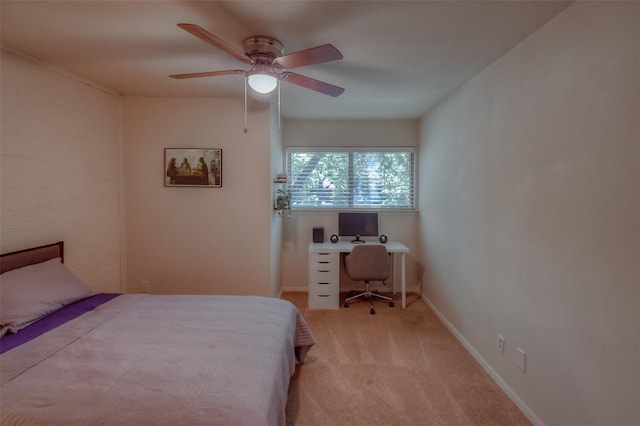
(141, 358)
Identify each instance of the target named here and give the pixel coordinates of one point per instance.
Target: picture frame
(195, 167)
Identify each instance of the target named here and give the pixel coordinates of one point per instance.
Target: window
(342, 178)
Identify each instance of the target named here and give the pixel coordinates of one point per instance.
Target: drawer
(322, 301)
(324, 258)
(320, 288)
(323, 276)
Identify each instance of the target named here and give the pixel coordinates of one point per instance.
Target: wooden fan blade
(215, 41)
(312, 83)
(206, 74)
(314, 55)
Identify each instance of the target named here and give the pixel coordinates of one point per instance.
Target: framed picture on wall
(193, 167)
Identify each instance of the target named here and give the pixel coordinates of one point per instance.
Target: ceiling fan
(268, 64)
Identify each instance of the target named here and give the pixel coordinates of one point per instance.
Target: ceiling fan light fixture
(262, 83)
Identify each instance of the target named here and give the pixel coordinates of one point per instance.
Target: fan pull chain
(245, 102)
(279, 119)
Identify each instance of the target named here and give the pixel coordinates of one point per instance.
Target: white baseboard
(485, 365)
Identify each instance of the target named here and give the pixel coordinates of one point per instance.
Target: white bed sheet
(154, 359)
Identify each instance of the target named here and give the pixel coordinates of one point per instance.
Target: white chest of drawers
(324, 279)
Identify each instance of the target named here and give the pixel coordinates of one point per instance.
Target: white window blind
(351, 178)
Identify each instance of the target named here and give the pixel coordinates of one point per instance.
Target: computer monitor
(358, 225)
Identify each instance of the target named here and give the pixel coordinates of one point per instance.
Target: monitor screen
(358, 224)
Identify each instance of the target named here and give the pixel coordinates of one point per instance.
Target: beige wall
(399, 226)
(60, 168)
(198, 240)
(64, 178)
(530, 208)
(277, 166)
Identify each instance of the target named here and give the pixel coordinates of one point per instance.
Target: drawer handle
(324, 261)
(324, 270)
(324, 283)
(323, 295)
(324, 254)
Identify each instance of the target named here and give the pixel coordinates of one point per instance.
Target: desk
(324, 271)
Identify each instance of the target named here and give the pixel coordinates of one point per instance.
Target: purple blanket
(53, 320)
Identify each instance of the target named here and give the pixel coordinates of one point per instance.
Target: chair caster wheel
(391, 304)
(372, 311)
(346, 305)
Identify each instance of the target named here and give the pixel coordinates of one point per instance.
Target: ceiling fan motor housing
(262, 48)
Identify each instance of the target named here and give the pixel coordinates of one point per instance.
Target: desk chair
(368, 262)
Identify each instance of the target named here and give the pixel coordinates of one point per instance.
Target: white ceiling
(400, 57)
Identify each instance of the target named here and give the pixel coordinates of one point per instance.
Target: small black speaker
(334, 238)
(318, 235)
(383, 239)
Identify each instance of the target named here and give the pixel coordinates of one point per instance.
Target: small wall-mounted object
(280, 178)
(282, 202)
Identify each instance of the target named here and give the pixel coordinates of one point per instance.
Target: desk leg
(404, 282)
(393, 272)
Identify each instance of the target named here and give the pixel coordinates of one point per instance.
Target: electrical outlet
(521, 359)
(500, 343)
(145, 286)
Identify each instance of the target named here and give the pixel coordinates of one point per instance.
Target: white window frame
(399, 149)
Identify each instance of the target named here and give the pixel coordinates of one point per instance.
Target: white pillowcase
(31, 292)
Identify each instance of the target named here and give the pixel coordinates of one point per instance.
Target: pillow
(31, 292)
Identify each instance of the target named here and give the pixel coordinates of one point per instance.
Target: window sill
(332, 211)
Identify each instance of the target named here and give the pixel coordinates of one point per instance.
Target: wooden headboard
(26, 257)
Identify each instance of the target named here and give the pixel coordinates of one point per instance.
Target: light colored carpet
(398, 367)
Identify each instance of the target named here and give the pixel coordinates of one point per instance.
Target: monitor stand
(358, 240)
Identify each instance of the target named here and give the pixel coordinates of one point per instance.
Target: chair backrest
(368, 262)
